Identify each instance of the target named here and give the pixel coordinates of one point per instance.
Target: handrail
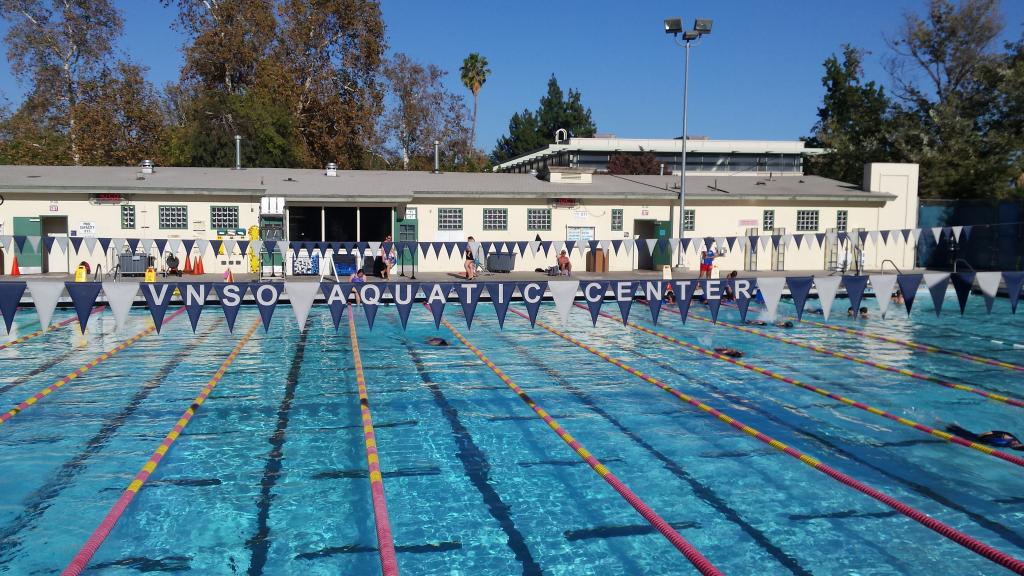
(893, 264)
(98, 273)
(968, 264)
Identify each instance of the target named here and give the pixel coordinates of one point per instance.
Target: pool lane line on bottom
(385, 541)
(50, 328)
(702, 564)
(972, 544)
(881, 366)
(82, 557)
(81, 370)
(951, 438)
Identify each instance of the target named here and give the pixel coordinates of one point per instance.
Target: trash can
(501, 262)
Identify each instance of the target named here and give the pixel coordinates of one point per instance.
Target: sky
(756, 76)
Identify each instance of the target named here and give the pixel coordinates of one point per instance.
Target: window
(128, 217)
(223, 217)
(495, 218)
(689, 220)
(842, 220)
(449, 218)
(806, 220)
(617, 219)
(538, 219)
(174, 217)
(768, 221)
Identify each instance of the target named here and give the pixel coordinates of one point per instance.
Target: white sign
(410, 213)
(54, 207)
(87, 229)
(645, 212)
(747, 222)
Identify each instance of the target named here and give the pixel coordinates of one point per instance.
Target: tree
(122, 114)
(530, 131)
(634, 164)
(474, 72)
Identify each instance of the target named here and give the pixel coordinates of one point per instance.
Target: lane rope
(80, 371)
(972, 544)
(1013, 459)
(385, 541)
(698, 560)
(81, 559)
(49, 328)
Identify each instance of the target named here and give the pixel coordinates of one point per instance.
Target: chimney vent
(437, 157)
(146, 166)
(332, 169)
(238, 152)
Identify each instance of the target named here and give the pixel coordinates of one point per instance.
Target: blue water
(270, 475)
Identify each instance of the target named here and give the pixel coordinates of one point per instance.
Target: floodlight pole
(682, 171)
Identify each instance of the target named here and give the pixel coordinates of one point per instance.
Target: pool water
(270, 475)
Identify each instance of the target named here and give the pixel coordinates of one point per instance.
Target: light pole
(674, 26)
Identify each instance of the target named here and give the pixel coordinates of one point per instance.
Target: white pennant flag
(229, 247)
(933, 278)
(5, 243)
(765, 241)
(33, 241)
(301, 295)
(742, 242)
(202, 244)
(563, 292)
(120, 296)
(874, 236)
(90, 245)
(174, 246)
(721, 244)
(883, 285)
(956, 232)
(771, 291)
(651, 242)
(62, 243)
(256, 246)
(557, 245)
(45, 294)
(827, 287)
(147, 245)
(989, 282)
(374, 247)
(534, 246)
(628, 244)
(916, 235)
(786, 240)
(118, 244)
(606, 246)
(937, 233)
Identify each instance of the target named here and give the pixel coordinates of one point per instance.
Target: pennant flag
(742, 288)
(201, 245)
(563, 292)
(650, 243)
(629, 244)
(684, 244)
(624, 291)
(267, 295)
(90, 245)
(885, 236)
(301, 296)
(988, 282)
(449, 248)
(827, 287)
(607, 244)
(883, 285)
(873, 235)
(5, 242)
(369, 297)
(501, 295)
(230, 296)
(189, 244)
(83, 297)
(962, 282)
(45, 294)
(767, 241)
(593, 244)
(798, 238)
(534, 246)
(118, 244)
(855, 287)
(19, 241)
(337, 299)
(174, 245)
(437, 297)
(133, 244)
(937, 282)
(105, 244)
(521, 246)
(532, 293)
(775, 240)
(1014, 280)
(937, 233)
(194, 295)
(915, 233)
(653, 291)
(799, 289)
(967, 233)
(545, 245)
(404, 295)
(731, 240)
(76, 243)
(62, 243)
(48, 243)
(161, 245)
(10, 297)
(469, 296)
(217, 245)
(158, 297)
(486, 248)
(593, 293)
(437, 247)
(908, 284)
(120, 297)
(683, 297)
(713, 297)
(425, 249)
(771, 291)
(820, 238)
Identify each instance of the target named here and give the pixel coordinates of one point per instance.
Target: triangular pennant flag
(731, 241)
(201, 245)
(425, 249)
(267, 295)
(624, 292)
(33, 242)
(873, 235)
(593, 244)
(255, 245)
(301, 296)
(798, 239)
(533, 294)
(269, 245)
(988, 282)
(545, 245)
(558, 245)
(500, 294)
(937, 233)
(83, 297)
(194, 295)
(230, 295)
(775, 238)
(534, 246)
(120, 297)
(956, 236)
(6, 241)
(229, 246)
(369, 298)
(908, 284)
(133, 244)
(282, 248)
(771, 291)
(48, 243)
(799, 289)
(593, 293)
(438, 247)
(437, 296)
(76, 243)
(766, 241)
(883, 285)
(118, 244)
(653, 291)
(713, 297)
(962, 283)
(449, 247)
(469, 296)
(189, 244)
(855, 287)
(19, 241)
(1014, 281)
(217, 245)
(820, 239)
(742, 288)
(684, 295)
(936, 283)
(862, 237)
(10, 297)
(629, 244)
(967, 233)
(607, 244)
(90, 245)
(105, 244)
(45, 294)
(521, 246)
(563, 292)
(174, 245)
(243, 246)
(827, 287)
(905, 232)
(158, 297)
(650, 243)
(404, 295)
(916, 234)
(885, 236)
(161, 245)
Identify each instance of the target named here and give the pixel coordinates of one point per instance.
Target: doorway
(642, 230)
(54, 226)
(28, 258)
(779, 251)
(750, 254)
(374, 223)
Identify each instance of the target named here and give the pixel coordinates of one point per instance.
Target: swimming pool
(270, 476)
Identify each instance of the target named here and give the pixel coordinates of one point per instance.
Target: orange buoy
(188, 265)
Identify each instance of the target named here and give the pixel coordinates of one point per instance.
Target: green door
(662, 256)
(28, 226)
(406, 230)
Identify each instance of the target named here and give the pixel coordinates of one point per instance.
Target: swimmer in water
(437, 341)
(786, 324)
(730, 352)
(995, 438)
(757, 322)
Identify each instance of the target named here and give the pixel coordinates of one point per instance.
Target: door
(662, 256)
(779, 252)
(642, 230)
(29, 256)
(407, 230)
(832, 251)
(53, 226)
(750, 253)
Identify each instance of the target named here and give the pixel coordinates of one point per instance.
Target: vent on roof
(332, 169)
(566, 175)
(146, 166)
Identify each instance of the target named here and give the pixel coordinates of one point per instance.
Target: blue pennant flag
(624, 292)
(404, 295)
(684, 293)
(437, 296)
(337, 299)
(230, 296)
(48, 243)
(105, 244)
(966, 231)
(501, 295)
(593, 244)
(905, 232)
(188, 244)
(469, 296)
(938, 292)
(713, 296)
(533, 294)
(522, 245)
(885, 236)
(437, 246)
(462, 246)
(908, 284)
(215, 244)
(798, 238)
(425, 249)
(863, 235)
(593, 293)
(243, 246)
(753, 240)
(843, 237)
(654, 293)
(76, 243)
(369, 297)
(10, 297)
(350, 246)
(569, 245)
(158, 297)
(546, 246)
(684, 244)
(731, 241)
(742, 289)
(133, 244)
(267, 295)
(1014, 281)
(962, 282)
(362, 246)
(161, 244)
(449, 247)
(269, 246)
(83, 296)
(799, 288)
(855, 287)
(820, 238)
(194, 295)
(616, 245)
(775, 240)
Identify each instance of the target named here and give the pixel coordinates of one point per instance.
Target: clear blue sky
(757, 76)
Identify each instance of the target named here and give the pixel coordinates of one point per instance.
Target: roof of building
(353, 186)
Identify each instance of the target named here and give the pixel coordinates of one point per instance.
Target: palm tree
(474, 73)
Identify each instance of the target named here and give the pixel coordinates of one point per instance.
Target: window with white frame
(173, 217)
(538, 219)
(223, 217)
(806, 220)
(495, 218)
(128, 217)
(689, 220)
(449, 218)
(768, 220)
(842, 220)
(617, 219)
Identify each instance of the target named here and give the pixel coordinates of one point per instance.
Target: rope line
(703, 565)
(79, 372)
(972, 544)
(50, 328)
(385, 541)
(81, 559)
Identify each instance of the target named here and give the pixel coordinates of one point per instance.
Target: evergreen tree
(530, 131)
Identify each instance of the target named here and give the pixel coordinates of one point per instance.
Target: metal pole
(682, 171)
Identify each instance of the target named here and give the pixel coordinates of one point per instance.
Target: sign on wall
(747, 222)
(87, 229)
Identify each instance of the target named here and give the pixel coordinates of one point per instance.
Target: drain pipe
(238, 152)
(437, 157)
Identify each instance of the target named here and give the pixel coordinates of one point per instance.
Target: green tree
(474, 73)
(634, 164)
(530, 131)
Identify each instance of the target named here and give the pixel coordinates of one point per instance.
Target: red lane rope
(50, 328)
(698, 560)
(845, 400)
(79, 372)
(972, 544)
(385, 541)
(81, 559)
